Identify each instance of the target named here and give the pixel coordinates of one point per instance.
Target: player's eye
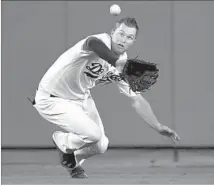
(122, 34)
(130, 38)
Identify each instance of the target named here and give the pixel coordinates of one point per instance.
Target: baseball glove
(139, 74)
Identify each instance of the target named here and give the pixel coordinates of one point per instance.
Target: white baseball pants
(85, 132)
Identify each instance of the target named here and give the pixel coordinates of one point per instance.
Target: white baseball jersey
(76, 71)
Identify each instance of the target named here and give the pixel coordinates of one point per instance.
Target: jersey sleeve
(104, 37)
(125, 89)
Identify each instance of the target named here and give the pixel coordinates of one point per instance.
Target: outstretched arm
(144, 109)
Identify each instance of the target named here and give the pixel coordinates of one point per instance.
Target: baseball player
(63, 96)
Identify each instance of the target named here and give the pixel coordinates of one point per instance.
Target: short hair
(130, 22)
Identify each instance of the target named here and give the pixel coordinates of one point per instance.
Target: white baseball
(115, 9)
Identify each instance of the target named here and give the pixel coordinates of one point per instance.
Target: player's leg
(68, 160)
(85, 153)
(99, 147)
(70, 115)
(82, 131)
(92, 150)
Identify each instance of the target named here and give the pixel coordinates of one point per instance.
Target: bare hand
(169, 133)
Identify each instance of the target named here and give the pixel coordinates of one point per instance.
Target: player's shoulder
(105, 37)
(101, 35)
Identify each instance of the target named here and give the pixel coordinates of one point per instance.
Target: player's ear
(112, 31)
(136, 36)
(135, 39)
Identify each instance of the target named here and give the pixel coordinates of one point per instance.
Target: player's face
(122, 38)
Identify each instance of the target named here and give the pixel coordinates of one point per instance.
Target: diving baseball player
(63, 96)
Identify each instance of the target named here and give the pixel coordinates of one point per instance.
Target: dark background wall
(176, 35)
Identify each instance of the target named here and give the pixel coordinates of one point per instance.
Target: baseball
(115, 9)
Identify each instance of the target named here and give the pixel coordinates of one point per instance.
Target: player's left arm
(143, 108)
(99, 47)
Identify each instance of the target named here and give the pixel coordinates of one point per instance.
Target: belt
(34, 102)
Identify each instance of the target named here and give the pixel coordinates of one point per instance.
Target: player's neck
(117, 54)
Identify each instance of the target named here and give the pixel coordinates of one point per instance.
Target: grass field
(114, 167)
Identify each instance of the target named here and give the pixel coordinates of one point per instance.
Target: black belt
(53, 96)
(34, 102)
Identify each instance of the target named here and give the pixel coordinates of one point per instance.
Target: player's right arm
(145, 111)
(99, 47)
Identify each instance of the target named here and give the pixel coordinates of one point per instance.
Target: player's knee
(103, 145)
(95, 135)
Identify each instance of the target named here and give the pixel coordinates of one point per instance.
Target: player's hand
(165, 131)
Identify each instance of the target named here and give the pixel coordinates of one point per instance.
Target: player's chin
(120, 51)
